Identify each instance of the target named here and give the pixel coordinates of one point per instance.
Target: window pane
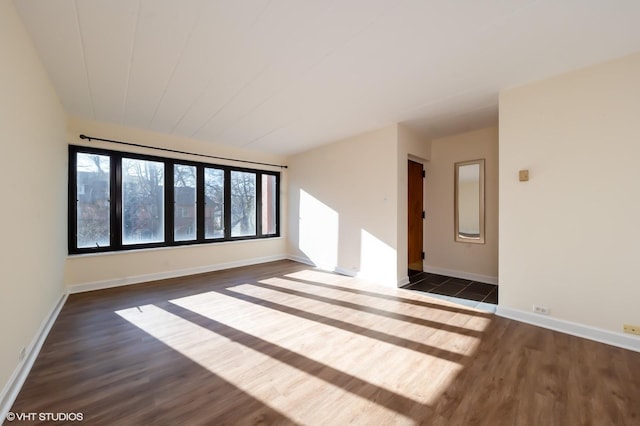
(142, 201)
(184, 198)
(214, 203)
(268, 204)
(92, 195)
(243, 204)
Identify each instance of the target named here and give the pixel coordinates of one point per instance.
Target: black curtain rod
(91, 138)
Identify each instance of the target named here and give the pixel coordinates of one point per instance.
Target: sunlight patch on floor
(338, 348)
(409, 324)
(366, 299)
(317, 275)
(315, 278)
(252, 371)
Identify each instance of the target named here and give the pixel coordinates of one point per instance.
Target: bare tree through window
(124, 201)
(184, 202)
(142, 201)
(243, 204)
(214, 203)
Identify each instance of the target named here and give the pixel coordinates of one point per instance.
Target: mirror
(469, 201)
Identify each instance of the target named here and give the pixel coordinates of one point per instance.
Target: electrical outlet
(540, 310)
(21, 354)
(633, 329)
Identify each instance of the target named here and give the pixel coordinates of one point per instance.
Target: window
(92, 200)
(142, 201)
(213, 203)
(243, 204)
(184, 202)
(125, 201)
(269, 204)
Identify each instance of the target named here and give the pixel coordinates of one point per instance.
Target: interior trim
(137, 279)
(344, 271)
(613, 338)
(17, 379)
(461, 274)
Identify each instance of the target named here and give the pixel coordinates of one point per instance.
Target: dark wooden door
(415, 216)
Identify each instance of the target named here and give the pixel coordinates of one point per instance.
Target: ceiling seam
(465, 111)
(407, 112)
(133, 48)
(231, 122)
(299, 77)
(84, 59)
(175, 67)
(270, 132)
(260, 15)
(449, 116)
(235, 95)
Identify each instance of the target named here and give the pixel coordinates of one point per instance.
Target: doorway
(415, 216)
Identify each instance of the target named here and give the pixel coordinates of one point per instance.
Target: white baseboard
(13, 386)
(118, 282)
(403, 281)
(324, 266)
(461, 274)
(300, 259)
(620, 340)
(345, 271)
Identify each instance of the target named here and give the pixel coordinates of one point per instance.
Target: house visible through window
(124, 201)
(184, 201)
(269, 204)
(92, 207)
(214, 203)
(142, 201)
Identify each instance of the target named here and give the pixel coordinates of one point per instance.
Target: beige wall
(443, 254)
(34, 180)
(567, 236)
(348, 204)
(343, 205)
(95, 270)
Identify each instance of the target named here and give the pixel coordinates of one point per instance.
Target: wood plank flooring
(282, 343)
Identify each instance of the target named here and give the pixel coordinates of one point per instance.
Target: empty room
(320, 212)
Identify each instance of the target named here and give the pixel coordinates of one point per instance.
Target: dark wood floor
(282, 343)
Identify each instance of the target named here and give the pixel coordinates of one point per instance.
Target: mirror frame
(456, 230)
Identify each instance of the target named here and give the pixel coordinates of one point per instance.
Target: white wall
(34, 181)
(98, 270)
(343, 205)
(443, 254)
(568, 239)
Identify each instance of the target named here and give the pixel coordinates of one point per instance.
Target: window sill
(154, 249)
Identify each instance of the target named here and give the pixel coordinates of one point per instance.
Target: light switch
(524, 175)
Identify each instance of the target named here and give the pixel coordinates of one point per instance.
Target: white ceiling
(286, 75)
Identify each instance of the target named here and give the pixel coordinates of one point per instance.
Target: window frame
(115, 204)
(119, 201)
(173, 207)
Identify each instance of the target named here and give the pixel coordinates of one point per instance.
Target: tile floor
(470, 293)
